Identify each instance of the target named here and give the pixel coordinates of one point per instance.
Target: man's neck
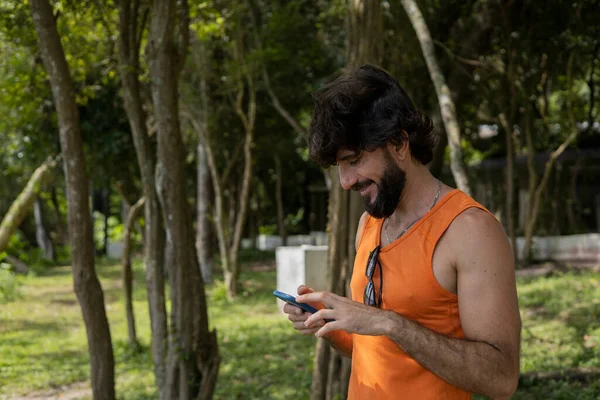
(417, 197)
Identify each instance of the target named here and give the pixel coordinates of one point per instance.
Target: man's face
(381, 192)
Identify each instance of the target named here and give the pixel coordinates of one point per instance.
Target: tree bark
(437, 163)
(127, 276)
(364, 27)
(204, 186)
(106, 212)
(41, 234)
(130, 33)
(23, 203)
(192, 360)
(60, 223)
(443, 94)
(87, 287)
(510, 182)
(203, 221)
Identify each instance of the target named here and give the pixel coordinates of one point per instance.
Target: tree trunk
(364, 29)
(443, 94)
(154, 236)
(203, 221)
(248, 118)
(193, 360)
(279, 201)
(87, 287)
(60, 223)
(536, 200)
(203, 198)
(437, 163)
(41, 235)
(106, 212)
(330, 376)
(127, 270)
(19, 267)
(510, 182)
(23, 203)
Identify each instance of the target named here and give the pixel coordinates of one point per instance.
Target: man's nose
(347, 177)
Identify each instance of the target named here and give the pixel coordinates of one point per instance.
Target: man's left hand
(347, 315)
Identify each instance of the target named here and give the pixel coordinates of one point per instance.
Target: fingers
(299, 317)
(302, 289)
(299, 326)
(290, 309)
(320, 316)
(299, 323)
(329, 327)
(327, 298)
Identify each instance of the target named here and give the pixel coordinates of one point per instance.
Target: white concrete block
(301, 265)
(583, 249)
(268, 242)
(299, 240)
(320, 238)
(114, 249)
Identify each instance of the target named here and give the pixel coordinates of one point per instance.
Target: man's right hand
(298, 316)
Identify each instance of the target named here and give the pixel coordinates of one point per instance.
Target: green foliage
(10, 285)
(115, 230)
(293, 222)
(268, 229)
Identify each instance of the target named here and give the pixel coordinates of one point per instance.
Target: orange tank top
(380, 369)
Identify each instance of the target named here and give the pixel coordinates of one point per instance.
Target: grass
(43, 341)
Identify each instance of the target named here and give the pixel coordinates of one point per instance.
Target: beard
(389, 191)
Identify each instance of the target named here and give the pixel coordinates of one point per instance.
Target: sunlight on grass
(43, 342)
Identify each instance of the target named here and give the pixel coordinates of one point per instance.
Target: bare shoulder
(476, 220)
(476, 235)
(361, 225)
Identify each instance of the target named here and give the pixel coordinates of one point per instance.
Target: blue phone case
(292, 300)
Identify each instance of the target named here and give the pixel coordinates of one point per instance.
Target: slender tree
(87, 286)
(443, 93)
(192, 360)
(127, 271)
(132, 19)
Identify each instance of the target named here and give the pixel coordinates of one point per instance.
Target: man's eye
(355, 161)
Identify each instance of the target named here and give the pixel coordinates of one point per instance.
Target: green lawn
(43, 341)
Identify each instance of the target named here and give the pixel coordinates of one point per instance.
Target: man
(433, 312)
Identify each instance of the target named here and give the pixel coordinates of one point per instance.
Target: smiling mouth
(363, 190)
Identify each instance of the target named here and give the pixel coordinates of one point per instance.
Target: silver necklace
(387, 222)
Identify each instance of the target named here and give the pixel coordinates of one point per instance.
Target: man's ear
(401, 150)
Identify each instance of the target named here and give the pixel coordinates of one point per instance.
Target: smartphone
(292, 300)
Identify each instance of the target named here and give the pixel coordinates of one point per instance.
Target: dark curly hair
(363, 110)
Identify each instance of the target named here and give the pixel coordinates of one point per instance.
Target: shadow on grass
(24, 325)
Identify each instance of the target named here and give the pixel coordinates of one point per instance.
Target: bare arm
(487, 360)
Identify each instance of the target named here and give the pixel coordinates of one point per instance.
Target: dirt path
(76, 391)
